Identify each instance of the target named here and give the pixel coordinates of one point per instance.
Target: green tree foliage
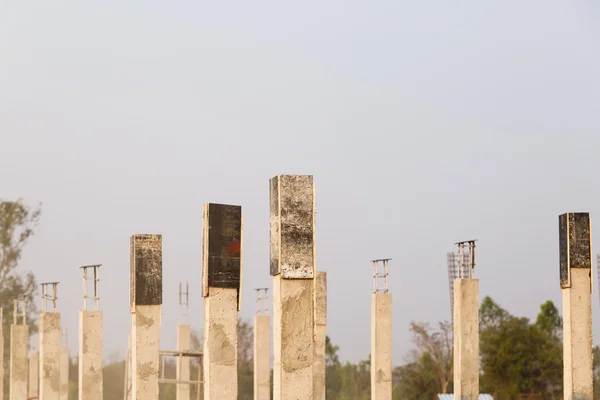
(245, 362)
(417, 380)
(519, 357)
(17, 224)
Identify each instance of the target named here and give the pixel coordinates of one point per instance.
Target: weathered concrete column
(146, 301)
(221, 273)
(90, 355)
(183, 368)
(128, 384)
(466, 339)
(381, 346)
(64, 373)
(321, 335)
(293, 270)
(49, 386)
(575, 280)
(19, 346)
(34, 374)
(262, 357)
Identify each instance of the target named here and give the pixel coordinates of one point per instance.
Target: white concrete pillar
(220, 345)
(146, 301)
(34, 376)
(381, 346)
(128, 384)
(466, 339)
(221, 272)
(576, 284)
(320, 388)
(262, 357)
(183, 367)
(19, 346)
(49, 386)
(90, 355)
(293, 269)
(64, 373)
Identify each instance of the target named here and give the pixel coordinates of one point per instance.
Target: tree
(245, 361)
(416, 380)
(17, 223)
(519, 357)
(438, 346)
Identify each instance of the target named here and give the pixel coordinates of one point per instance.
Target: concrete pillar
(128, 384)
(321, 335)
(576, 284)
(64, 373)
(49, 386)
(293, 269)
(2, 360)
(146, 301)
(183, 368)
(381, 346)
(90, 355)
(466, 339)
(19, 346)
(262, 357)
(221, 272)
(34, 374)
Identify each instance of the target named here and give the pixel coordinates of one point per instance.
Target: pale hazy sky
(423, 123)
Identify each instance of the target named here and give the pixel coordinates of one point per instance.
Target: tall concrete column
(19, 346)
(146, 301)
(221, 273)
(49, 386)
(262, 347)
(321, 335)
(128, 384)
(64, 373)
(381, 346)
(575, 281)
(292, 266)
(466, 339)
(34, 374)
(183, 368)
(90, 355)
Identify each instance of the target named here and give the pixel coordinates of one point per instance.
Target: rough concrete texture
(19, 369)
(321, 333)
(90, 355)
(293, 338)
(34, 374)
(146, 270)
(64, 373)
(128, 371)
(466, 339)
(145, 340)
(49, 356)
(381, 346)
(575, 245)
(183, 369)
(220, 344)
(262, 357)
(292, 224)
(577, 337)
